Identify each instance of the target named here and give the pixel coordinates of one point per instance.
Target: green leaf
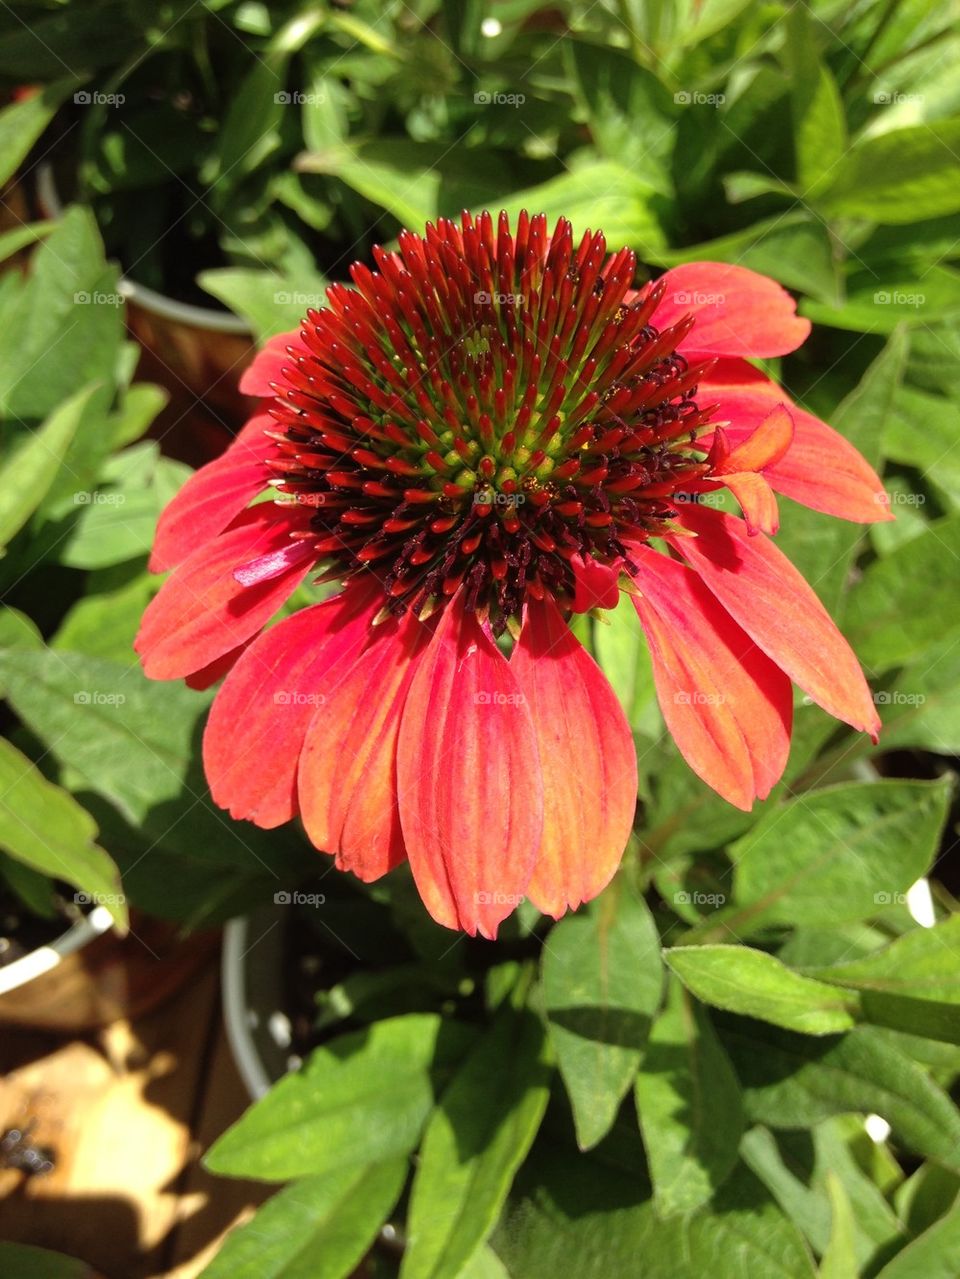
(105, 621)
(475, 1141)
(18, 238)
(26, 479)
(624, 656)
(934, 1255)
(600, 194)
(840, 1259)
(585, 1218)
(129, 738)
(893, 618)
(46, 829)
(688, 1102)
(270, 303)
(27, 1262)
(316, 1228)
(22, 123)
(17, 630)
(68, 318)
(602, 980)
(751, 982)
(793, 1081)
(819, 126)
(901, 176)
(836, 854)
(913, 984)
(360, 1099)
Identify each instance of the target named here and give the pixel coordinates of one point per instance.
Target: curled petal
(820, 469)
(348, 769)
(756, 500)
(761, 589)
(737, 311)
(469, 780)
(268, 362)
(202, 612)
(765, 445)
(727, 706)
(595, 584)
(213, 496)
(259, 718)
(587, 757)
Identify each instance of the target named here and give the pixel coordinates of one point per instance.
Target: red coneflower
(488, 433)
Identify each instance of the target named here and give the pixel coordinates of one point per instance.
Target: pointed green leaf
(602, 979)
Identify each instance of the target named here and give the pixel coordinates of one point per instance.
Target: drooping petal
(737, 311)
(595, 584)
(202, 611)
(259, 718)
(756, 500)
(213, 496)
(348, 769)
(758, 585)
(821, 469)
(267, 363)
(469, 780)
(763, 447)
(588, 762)
(727, 706)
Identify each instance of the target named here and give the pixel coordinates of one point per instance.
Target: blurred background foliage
(239, 155)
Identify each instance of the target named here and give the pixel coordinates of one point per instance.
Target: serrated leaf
(475, 1141)
(316, 1228)
(841, 853)
(129, 738)
(361, 1099)
(792, 1081)
(688, 1103)
(602, 979)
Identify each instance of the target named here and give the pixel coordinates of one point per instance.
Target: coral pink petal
(821, 469)
(728, 707)
(758, 585)
(214, 496)
(737, 311)
(595, 584)
(259, 718)
(219, 667)
(588, 761)
(468, 778)
(202, 611)
(766, 445)
(267, 364)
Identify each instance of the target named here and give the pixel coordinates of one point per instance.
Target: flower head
(485, 435)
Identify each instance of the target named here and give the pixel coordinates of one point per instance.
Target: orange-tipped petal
(737, 311)
(588, 760)
(766, 445)
(202, 611)
(727, 705)
(758, 585)
(756, 500)
(267, 364)
(348, 769)
(821, 469)
(213, 496)
(259, 718)
(468, 778)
